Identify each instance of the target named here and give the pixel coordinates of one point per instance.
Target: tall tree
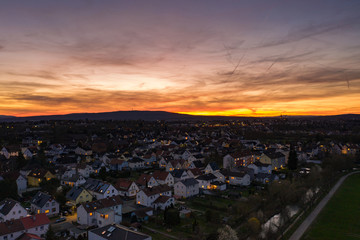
(293, 160)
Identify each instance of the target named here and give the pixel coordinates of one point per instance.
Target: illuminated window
(39, 179)
(108, 191)
(138, 202)
(232, 177)
(47, 211)
(90, 214)
(38, 211)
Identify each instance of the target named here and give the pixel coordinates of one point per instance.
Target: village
(166, 180)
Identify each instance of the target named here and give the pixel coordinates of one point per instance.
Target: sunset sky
(246, 58)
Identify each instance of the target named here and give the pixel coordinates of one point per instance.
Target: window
(112, 191)
(19, 211)
(47, 211)
(36, 229)
(13, 212)
(42, 228)
(54, 210)
(90, 214)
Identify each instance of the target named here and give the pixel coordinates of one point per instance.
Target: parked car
(63, 219)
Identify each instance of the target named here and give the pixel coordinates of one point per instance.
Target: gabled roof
(177, 173)
(207, 177)
(11, 227)
(198, 164)
(195, 171)
(74, 193)
(40, 199)
(189, 182)
(157, 190)
(6, 205)
(160, 175)
(143, 179)
(102, 203)
(96, 185)
(214, 166)
(123, 184)
(35, 221)
(274, 155)
(162, 199)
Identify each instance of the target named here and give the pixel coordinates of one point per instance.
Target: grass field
(340, 219)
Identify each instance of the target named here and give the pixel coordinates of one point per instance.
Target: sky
(239, 58)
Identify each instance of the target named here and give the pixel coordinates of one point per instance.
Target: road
(306, 223)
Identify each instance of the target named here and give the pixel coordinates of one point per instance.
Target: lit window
(38, 211)
(90, 214)
(47, 211)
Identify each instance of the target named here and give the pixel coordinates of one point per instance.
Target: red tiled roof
(123, 184)
(157, 190)
(35, 221)
(162, 199)
(160, 175)
(143, 179)
(29, 236)
(11, 227)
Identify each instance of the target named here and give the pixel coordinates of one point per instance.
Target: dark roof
(198, 164)
(74, 193)
(189, 182)
(40, 199)
(207, 177)
(96, 185)
(177, 173)
(157, 190)
(118, 232)
(6, 205)
(102, 203)
(162, 199)
(214, 166)
(274, 155)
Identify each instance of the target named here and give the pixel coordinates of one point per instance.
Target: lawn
(340, 218)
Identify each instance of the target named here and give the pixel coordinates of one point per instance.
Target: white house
(146, 180)
(186, 188)
(21, 180)
(158, 196)
(100, 189)
(100, 212)
(126, 188)
(11, 209)
(33, 227)
(206, 180)
(211, 168)
(44, 203)
(260, 167)
(163, 177)
(136, 163)
(239, 178)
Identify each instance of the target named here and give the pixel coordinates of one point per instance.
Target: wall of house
(17, 212)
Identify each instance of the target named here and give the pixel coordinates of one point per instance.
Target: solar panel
(111, 229)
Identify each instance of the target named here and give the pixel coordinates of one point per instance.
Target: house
(83, 151)
(35, 226)
(146, 180)
(265, 178)
(275, 159)
(196, 164)
(21, 180)
(100, 189)
(179, 174)
(260, 167)
(38, 175)
(163, 177)
(155, 197)
(186, 188)
(100, 212)
(74, 180)
(44, 203)
(175, 164)
(242, 158)
(126, 188)
(211, 168)
(217, 185)
(78, 195)
(118, 164)
(11, 209)
(116, 232)
(194, 172)
(206, 180)
(136, 163)
(84, 170)
(238, 178)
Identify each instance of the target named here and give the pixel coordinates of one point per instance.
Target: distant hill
(154, 116)
(5, 116)
(122, 115)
